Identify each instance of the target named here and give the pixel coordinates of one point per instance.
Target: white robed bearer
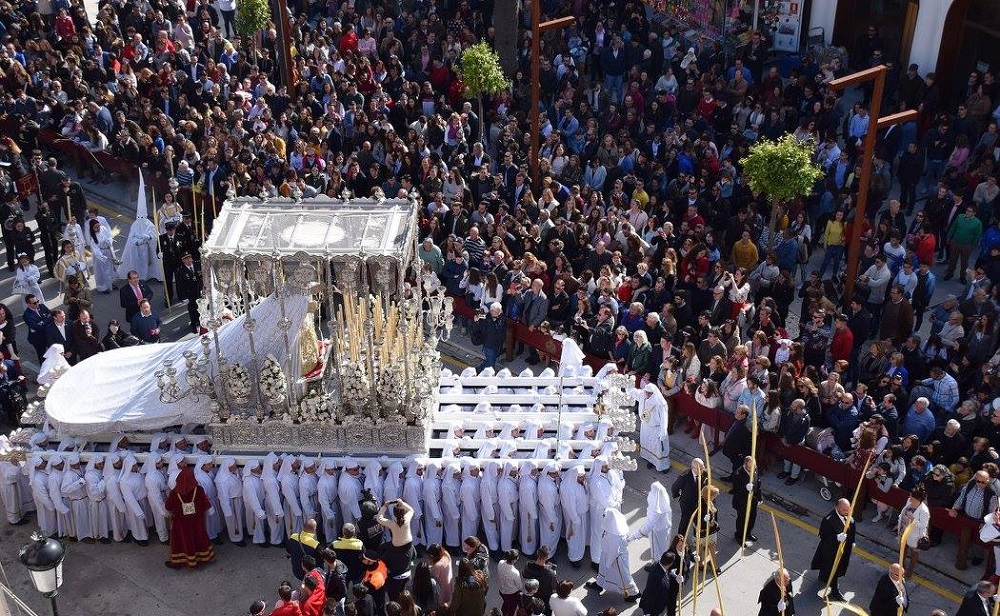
(253, 501)
(653, 438)
(659, 524)
(74, 491)
(154, 470)
(97, 494)
(614, 572)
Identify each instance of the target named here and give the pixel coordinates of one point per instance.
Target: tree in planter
(782, 171)
(252, 16)
(480, 71)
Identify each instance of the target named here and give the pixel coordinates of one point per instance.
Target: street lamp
(43, 559)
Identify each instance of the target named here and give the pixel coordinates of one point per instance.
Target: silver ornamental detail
(617, 404)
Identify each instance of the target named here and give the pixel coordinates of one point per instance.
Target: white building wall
(928, 32)
(927, 36)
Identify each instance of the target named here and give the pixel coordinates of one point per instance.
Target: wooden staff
(201, 228)
(847, 524)
(781, 558)
(753, 455)
(902, 550)
(69, 209)
(697, 550)
(718, 587)
(682, 554)
(708, 470)
(159, 245)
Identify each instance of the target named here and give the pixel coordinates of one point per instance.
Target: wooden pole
(752, 474)
(904, 537)
(781, 558)
(159, 246)
(537, 28)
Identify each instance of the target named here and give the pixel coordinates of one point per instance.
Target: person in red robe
(187, 505)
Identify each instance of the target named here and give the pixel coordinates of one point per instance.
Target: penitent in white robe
(413, 494)
(653, 438)
(74, 491)
(116, 504)
(507, 500)
(230, 492)
(659, 524)
(469, 498)
(433, 513)
(550, 517)
(488, 502)
(254, 498)
(602, 496)
(451, 508)
(614, 572)
(11, 490)
(272, 501)
(64, 515)
(97, 495)
(327, 492)
(527, 488)
(133, 487)
(156, 494)
(575, 510)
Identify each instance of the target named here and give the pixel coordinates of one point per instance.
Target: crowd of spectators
(639, 236)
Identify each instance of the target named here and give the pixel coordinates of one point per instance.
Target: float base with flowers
(314, 343)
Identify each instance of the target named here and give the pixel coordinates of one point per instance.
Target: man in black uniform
(50, 186)
(189, 288)
(746, 480)
(173, 246)
(836, 528)
(8, 208)
(49, 231)
(70, 194)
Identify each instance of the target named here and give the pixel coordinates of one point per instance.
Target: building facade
(949, 37)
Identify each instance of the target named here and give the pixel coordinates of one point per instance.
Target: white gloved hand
(697, 558)
(842, 537)
(679, 578)
(781, 606)
(707, 517)
(749, 487)
(900, 600)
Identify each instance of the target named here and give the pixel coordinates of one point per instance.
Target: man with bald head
(686, 489)
(890, 593)
(836, 529)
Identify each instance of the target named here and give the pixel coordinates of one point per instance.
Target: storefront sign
(788, 26)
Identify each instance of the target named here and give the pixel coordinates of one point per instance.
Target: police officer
(189, 285)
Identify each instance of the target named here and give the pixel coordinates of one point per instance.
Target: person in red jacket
(65, 27)
(843, 339)
(925, 244)
(312, 596)
(286, 606)
(348, 41)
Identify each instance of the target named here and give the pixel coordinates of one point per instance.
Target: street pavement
(126, 579)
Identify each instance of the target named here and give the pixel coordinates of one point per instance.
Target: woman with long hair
(469, 592)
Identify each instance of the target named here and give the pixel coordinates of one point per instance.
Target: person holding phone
(489, 330)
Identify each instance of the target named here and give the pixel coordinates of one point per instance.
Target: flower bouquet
(314, 407)
(354, 390)
(238, 384)
(391, 389)
(272, 382)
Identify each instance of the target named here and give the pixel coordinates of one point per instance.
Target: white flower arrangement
(354, 385)
(238, 383)
(314, 407)
(390, 384)
(272, 381)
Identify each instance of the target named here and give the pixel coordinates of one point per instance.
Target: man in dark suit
(456, 221)
(890, 593)
(978, 602)
(656, 596)
(534, 309)
(837, 528)
(719, 307)
(58, 332)
(172, 245)
(686, 489)
(37, 317)
(770, 599)
(86, 336)
(132, 293)
(189, 283)
(746, 481)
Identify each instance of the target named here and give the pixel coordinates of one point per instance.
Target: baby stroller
(821, 440)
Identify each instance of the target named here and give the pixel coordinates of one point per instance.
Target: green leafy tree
(782, 171)
(252, 16)
(481, 74)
